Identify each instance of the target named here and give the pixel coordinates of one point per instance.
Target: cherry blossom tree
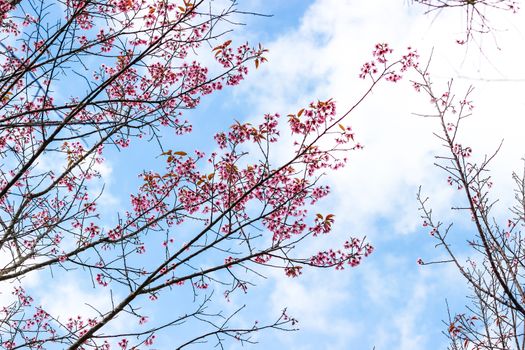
(80, 78)
(494, 269)
(476, 20)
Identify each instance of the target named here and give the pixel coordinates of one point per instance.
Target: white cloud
(321, 59)
(407, 321)
(314, 300)
(74, 299)
(73, 295)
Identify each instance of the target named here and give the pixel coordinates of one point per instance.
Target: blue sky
(316, 49)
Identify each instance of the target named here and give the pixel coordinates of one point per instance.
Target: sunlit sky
(316, 50)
